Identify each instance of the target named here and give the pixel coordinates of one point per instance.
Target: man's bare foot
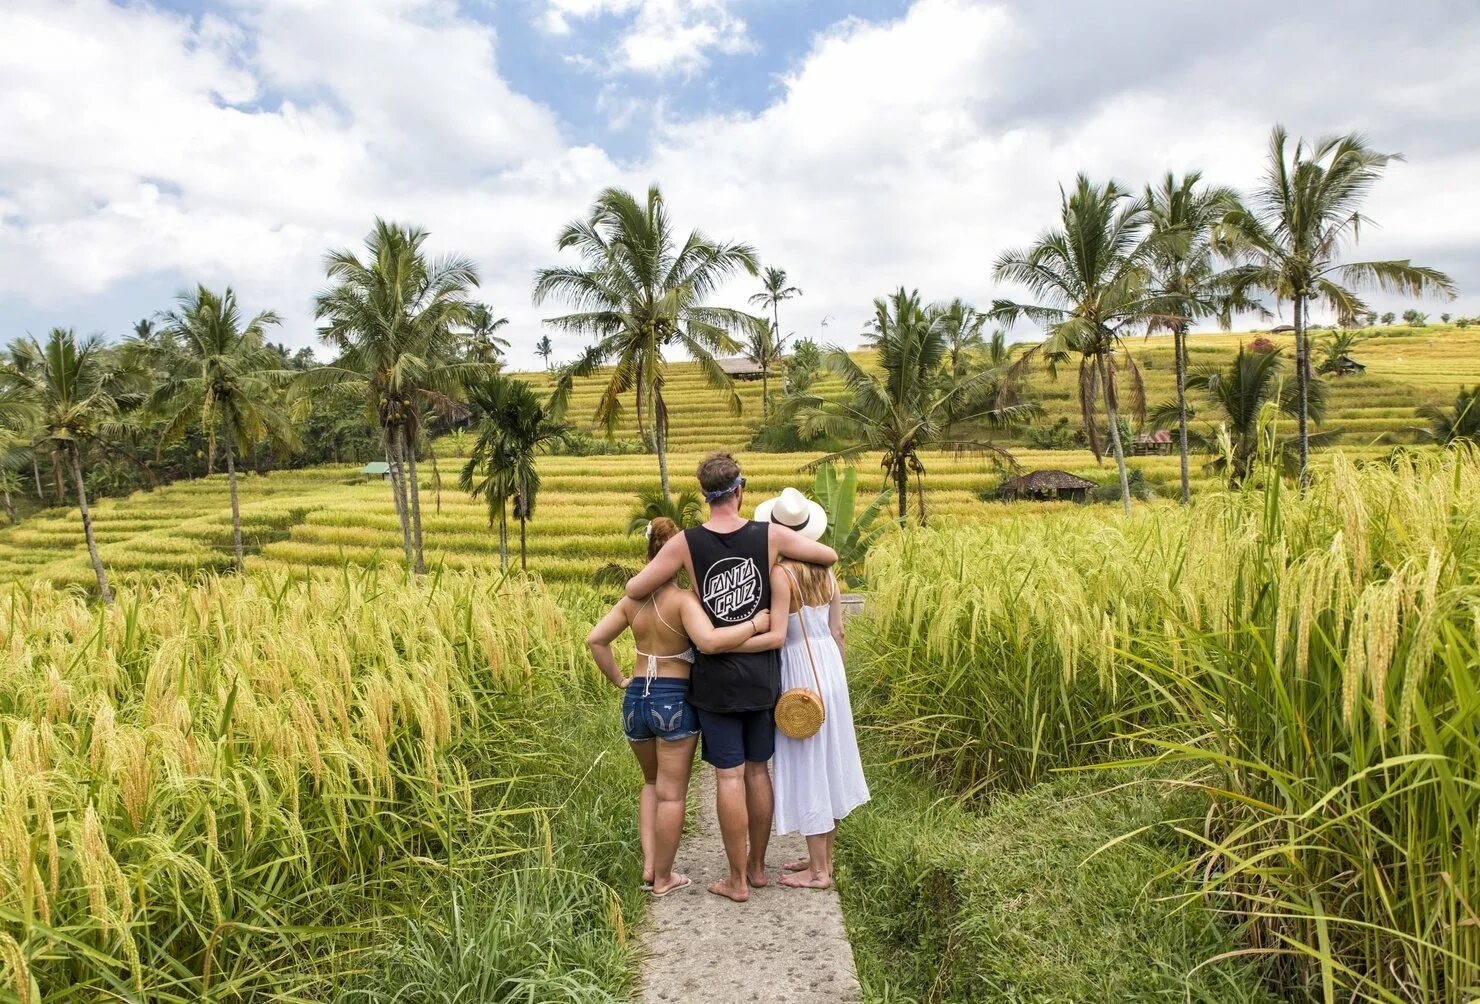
(807, 880)
(731, 888)
(674, 882)
(799, 865)
(757, 876)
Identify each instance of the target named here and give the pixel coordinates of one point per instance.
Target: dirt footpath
(785, 945)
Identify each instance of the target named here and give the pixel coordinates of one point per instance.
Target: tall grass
(1312, 661)
(256, 786)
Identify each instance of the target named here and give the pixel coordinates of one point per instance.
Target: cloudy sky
(145, 146)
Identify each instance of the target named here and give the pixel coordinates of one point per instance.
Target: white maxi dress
(819, 779)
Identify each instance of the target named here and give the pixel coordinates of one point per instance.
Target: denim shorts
(658, 708)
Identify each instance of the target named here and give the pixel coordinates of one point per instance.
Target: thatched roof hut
(1046, 486)
(740, 368)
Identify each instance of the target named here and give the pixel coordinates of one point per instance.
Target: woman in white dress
(817, 780)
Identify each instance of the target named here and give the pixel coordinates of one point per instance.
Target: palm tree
(16, 412)
(1297, 225)
(901, 411)
(1184, 263)
(483, 343)
(763, 349)
(685, 509)
(774, 293)
(78, 394)
(513, 428)
(640, 293)
(227, 382)
(1461, 424)
(544, 348)
(962, 325)
(1240, 392)
(395, 319)
(1090, 276)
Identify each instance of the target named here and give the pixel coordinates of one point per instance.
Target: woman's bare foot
(731, 888)
(647, 876)
(807, 880)
(799, 865)
(674, 882)
(757, 876)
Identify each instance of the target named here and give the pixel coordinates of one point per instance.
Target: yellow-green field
(1406, 368)
(319, 518)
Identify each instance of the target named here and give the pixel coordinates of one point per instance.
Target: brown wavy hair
(660, 531)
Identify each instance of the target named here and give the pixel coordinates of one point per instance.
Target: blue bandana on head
(720, 493)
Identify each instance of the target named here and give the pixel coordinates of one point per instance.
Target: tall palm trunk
(503, 536)
(902, 488)
(409, 451)
(1179, 347)
(9, 505)
(1113, 412)
(775, 347)
(236, 509)
(210, 456)
(660, 439)
(87, 527)
(36, 474)
(398, 489)
(1302, 386)
(523, 540)
(56, 477)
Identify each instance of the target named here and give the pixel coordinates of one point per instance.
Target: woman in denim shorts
(656, 717)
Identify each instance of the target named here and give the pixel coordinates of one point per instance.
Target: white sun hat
(794, 510)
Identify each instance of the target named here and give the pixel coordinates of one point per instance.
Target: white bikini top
(687, 655)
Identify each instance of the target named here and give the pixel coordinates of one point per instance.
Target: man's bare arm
(661, 569)
(786, 542)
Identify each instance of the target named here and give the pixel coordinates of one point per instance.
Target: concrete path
(785, 945)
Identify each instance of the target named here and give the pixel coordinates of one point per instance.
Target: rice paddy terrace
(315, 520)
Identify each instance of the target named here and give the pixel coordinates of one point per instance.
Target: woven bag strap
(802, 617)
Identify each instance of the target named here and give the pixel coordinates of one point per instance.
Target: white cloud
(141, 146)
(660, 36)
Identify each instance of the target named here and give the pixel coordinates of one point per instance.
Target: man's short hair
(717, 472)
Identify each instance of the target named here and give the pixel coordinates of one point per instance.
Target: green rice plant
(233, 789)
(1311, 662)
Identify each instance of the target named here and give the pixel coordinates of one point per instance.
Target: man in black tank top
(729, 562)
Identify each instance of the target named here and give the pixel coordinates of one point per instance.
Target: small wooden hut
(1347, 366)
(377, 469)
(740, 368)
(1046, 486)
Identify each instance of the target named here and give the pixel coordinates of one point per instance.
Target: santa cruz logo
(732, 589)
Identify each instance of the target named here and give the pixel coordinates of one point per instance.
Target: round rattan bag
(800, 711)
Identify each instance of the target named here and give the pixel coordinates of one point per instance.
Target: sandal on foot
(673, 888)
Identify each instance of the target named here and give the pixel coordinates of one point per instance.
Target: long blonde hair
(815, 581)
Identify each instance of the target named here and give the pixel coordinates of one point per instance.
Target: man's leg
(724, 750)
(760, 800)
(759, 806)
(674, 761)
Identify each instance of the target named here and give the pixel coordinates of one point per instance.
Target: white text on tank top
(732, 589)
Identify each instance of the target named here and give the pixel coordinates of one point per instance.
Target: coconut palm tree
(962, 326)
(901, 411)
(227, 381)
(775, 291)
(1460, 424)
(512, 429)
(483, 345)
(78, 394)
(394, 318)
(1090, 278)
(763, 349)
(1186, 264)
(1294, 231)
(1238, 394)
(544, 348)
(641, 293)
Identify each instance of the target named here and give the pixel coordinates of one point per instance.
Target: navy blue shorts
(658, 709)
(733, 738)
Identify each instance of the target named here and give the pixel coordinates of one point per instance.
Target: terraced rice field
(317, 519)
(1406, 368)
(313, 521)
